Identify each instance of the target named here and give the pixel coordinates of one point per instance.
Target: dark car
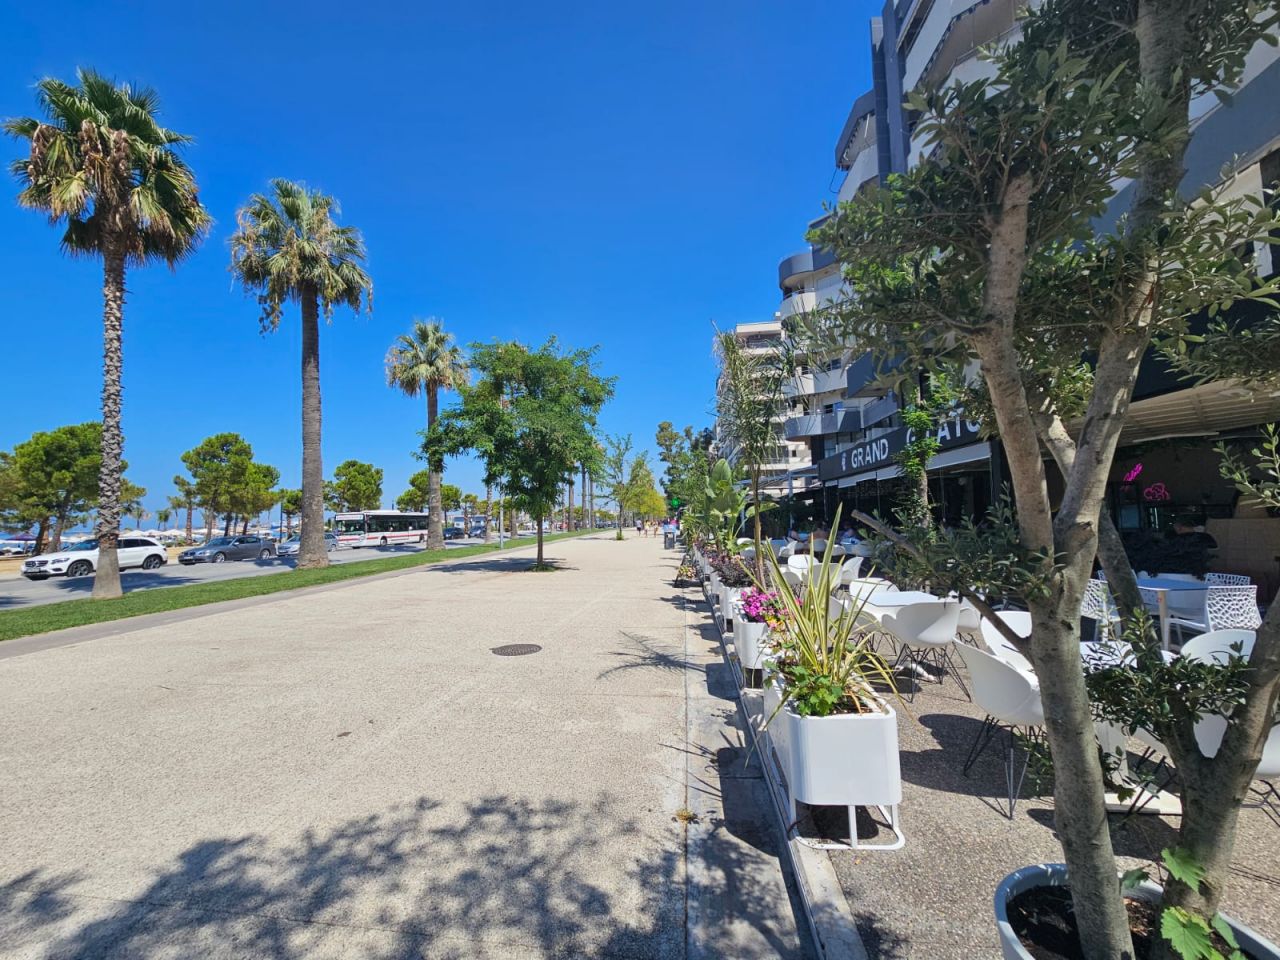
(454, 533)
(219, 549)
(478, 528)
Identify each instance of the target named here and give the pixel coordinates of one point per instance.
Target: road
(19, 592)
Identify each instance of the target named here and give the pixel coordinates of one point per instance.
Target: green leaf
(1188, 934)
(1133, 877)
(1224, 931)
(1183, 866)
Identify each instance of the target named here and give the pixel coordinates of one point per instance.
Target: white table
(1161, 586)
(877, 601)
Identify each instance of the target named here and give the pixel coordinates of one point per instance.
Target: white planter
(1055, 875)
(749, 640)
(729, 604)
(848, 760)
(715, 588)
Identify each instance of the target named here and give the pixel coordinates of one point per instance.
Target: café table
(1161, 587)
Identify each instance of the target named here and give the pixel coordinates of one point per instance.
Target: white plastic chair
(1225, 608)
(787, 550)
(1216, 646)
(970, 621)
(1011, 699)
(924, 632)
(1227, 580)
(1098, 606)
(849, 569)
(800, 563)
(1020, 621)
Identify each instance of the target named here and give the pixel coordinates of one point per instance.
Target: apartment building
(1166, 466)
(765, 337)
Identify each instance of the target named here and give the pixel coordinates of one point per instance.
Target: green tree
(615, 471)
(185, 500)
(426, 361)
(220, 467)
(750, 390)
(355, 486)
(131, 502)
(530, 418)
(450, 498)
(163, 516)
(56, 476)
(101, 164)
(256, 494)
(288, 248)
(986, 251)
(685, 460)
(290, 507)
(415, 499)
(642, 493)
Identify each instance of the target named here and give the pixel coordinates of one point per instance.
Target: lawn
(77, 613)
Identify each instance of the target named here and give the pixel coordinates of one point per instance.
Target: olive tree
(988, 251)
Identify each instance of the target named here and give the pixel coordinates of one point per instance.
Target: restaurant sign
(880, 451)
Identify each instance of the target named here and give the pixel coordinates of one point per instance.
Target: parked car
(477, 529)
(81, 559)
(229, 548)
(290, 547)
(454, 533)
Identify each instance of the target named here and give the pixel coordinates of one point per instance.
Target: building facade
(1166, 465)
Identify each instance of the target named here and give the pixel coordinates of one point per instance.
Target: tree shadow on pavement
(494, 877)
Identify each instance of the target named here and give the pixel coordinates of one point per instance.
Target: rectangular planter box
(848, 760)
(749, 639)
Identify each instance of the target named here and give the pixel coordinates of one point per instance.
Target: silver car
(290, 547)
(220, 549)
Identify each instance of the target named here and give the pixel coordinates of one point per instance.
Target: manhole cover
(515, 649)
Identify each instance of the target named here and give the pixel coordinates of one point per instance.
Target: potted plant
(757, 611)
(733, 578)
(1033, 905)
(834, 733)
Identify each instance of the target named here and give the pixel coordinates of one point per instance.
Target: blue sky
(621, 175)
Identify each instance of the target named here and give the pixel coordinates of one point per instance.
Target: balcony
(880, 409)
(811, 384)
(950, 30)
(864, 374)
(801, 301)
(794, 266)
(811, 425)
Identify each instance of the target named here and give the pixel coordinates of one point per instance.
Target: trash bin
(669, 539)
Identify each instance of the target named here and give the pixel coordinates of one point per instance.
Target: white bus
(377, 528)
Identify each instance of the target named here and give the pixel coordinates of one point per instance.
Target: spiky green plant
(827, 663)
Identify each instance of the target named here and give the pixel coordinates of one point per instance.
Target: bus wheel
(382, 542)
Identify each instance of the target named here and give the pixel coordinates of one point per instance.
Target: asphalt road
(19, 592)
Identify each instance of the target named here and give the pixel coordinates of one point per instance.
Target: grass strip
(77, 613)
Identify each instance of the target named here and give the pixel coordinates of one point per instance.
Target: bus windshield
(354, 525)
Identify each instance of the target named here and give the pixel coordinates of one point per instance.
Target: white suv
(81, 559)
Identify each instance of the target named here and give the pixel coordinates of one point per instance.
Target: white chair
(1098, 606)
(1020, 621)
(849, 569)
(1217, 647)
(1011, 699)
(800, 564)
(837, 552)
(793, 579)
(1227, 580)
(867, 584)
(787, 550)
(1225, 608)
(777, 546)
(743, 541)
(817, 547)
(924, 633)
(969, 621)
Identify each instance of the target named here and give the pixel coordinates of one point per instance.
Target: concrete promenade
(353, 773)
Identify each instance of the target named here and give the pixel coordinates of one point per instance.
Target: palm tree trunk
(435, 467)
(106, 581)
(311, 551)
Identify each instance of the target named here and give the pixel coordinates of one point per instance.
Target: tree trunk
(435, 467)
(244, 527)
(60, 522)
(488, 509)
(584, 497)
(568, 513)
(190, 512)
(538, 522)
(106, 580)
(311, 549)
(41, 529)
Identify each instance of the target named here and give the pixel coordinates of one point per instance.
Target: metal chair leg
(980, 743)
(1015, 790)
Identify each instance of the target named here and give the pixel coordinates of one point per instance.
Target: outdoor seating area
(967, 796)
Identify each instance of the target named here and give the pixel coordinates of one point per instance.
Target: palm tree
(288, 248)
(102, 165)
(185, 500)
(163, 516)
(426, 360)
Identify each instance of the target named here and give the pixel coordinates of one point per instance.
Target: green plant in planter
(1190, 934)
(825, 661)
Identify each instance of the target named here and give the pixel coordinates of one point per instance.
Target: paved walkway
(353, 773)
